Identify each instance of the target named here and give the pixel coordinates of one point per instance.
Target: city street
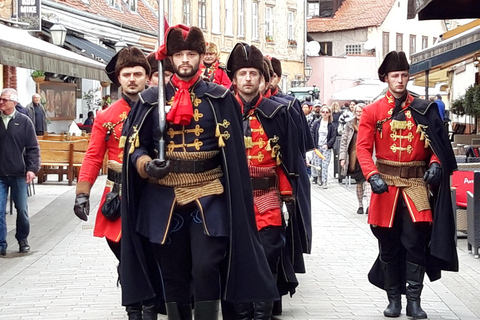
(69, 274)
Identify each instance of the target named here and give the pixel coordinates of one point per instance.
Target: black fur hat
(394, 61)
(152, 62)
(268, 70)
(277, 66)
(126, 58)
(244, 56)
(181, 37)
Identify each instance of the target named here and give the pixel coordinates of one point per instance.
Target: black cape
(247, 275)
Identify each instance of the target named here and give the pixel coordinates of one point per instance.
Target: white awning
(19, 49)
(367, 92)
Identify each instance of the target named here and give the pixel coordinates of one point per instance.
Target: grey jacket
(31, 114)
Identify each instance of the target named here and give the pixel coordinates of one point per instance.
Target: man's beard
(186, 73)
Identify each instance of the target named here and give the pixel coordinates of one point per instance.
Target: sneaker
(360, 210)
(324, 185)
(24, 247)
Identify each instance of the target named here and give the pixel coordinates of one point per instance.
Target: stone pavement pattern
(71, 275)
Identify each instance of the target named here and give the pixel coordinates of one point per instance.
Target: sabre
(161, 85)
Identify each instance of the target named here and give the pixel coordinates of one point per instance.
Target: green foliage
(471, 101)
(457, 107)
(37, 73)
(91, 100)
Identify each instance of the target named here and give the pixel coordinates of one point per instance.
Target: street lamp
(58, 33)
(308, 72)
(120, 45)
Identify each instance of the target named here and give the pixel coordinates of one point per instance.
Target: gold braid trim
(191, 186)
(415, 188)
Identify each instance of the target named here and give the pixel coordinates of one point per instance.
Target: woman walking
(348, 154)
(323, 132)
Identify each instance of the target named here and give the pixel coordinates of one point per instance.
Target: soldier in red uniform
(130, 70)
(212, 69)
(271, 149)
(410, 211)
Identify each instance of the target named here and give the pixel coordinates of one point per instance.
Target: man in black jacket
(20, 162)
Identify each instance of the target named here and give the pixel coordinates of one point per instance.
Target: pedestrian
(336, 113)
(90, 118)
(324, 135)
(195, 207)
(271, 145)
(129, 70)
(167, 70)
(410, 211)
(20, 163)
(36, 113)
(347, 115)
(440, 105)
(315, 114)
(348, 155)
(212, 69)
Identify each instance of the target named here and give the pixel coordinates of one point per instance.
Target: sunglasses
(5, 100)
(325, 112)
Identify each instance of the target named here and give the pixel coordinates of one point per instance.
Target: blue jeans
(19, 195)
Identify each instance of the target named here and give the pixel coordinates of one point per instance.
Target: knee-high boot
(415, 275)
(134, 312)
(150, 312)
(243, 311)
(393, 289)
(277, 307)
(177, 311)
(206, 310)
(263, 310)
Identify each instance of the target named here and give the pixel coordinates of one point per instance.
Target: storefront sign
(29, 14)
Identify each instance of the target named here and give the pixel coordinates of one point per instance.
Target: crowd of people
(207, 201)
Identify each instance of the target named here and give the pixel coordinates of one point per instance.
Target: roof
(144, 18)
(353, 14)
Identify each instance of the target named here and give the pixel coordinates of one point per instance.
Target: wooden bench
(61, 157)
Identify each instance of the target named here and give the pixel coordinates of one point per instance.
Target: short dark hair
(89, 114)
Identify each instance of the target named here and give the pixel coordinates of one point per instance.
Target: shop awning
(443, 9)
(436, 60)
(91, 48)
(19, 49)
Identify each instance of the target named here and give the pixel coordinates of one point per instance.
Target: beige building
(276, 27)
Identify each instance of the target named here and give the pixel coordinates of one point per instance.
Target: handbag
(111, 206)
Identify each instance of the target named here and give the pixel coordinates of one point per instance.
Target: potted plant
(269, 38)
(38, 76)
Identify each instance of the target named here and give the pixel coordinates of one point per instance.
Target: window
(241, 18)
(291, 25)
(229, 17)
(326, 48)
(255, 24)
(385, 43)
(202, 14)
(434, 40)
(413, 44)
(353, 49)
(399, 44)
(313, 9)
(215, 16)
(269, 24)
(186, 12)
(132, 5)
(424, 42)
(111, 3)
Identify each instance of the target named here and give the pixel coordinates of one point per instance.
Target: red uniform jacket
(394, 145)
(216, 74)
(112, 119)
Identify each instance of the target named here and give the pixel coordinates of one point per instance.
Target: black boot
(393, 289)
(134, 312)
(243, 311)
(206, 310)
(150, 312)
(314, 180)
(415, 274)
(177, 311)
(263, 310)
(277, 308)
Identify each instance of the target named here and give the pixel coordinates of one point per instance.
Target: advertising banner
(29, 17)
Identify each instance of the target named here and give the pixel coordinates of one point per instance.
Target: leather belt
(194, 166)
(263, 183)
(114, 176)
(402, 172)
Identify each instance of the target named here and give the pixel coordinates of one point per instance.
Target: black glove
(82, 206)
(157, 168)
(433, 176)
(378, 185)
